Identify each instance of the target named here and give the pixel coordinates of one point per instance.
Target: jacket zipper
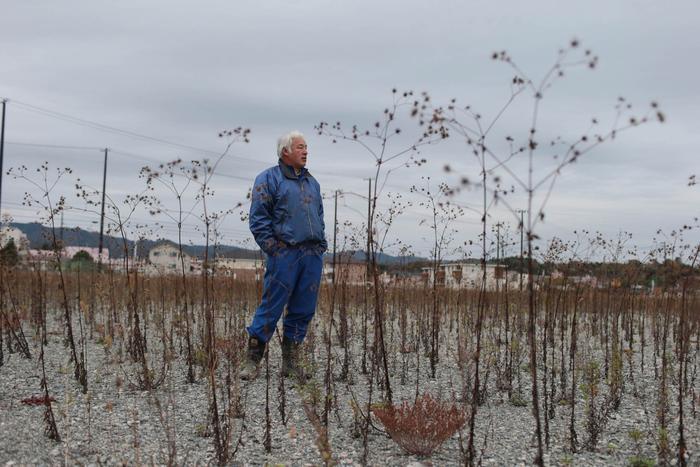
(308, 215)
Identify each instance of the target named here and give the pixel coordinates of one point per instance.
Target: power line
(111, 129)
(217, 173)
(108, 128)
(54, 146)
(115, 151)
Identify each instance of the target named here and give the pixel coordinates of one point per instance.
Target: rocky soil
(116, 423)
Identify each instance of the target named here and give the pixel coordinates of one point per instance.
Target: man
(286, 219)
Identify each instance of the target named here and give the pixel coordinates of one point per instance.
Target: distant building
(471, 275)
(165, 258)
(240, 268)
(405, 279)
(19, 237)
(66, 253)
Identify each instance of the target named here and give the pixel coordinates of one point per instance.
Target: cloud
(183, 73)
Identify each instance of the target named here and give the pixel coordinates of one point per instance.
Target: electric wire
(108, 128)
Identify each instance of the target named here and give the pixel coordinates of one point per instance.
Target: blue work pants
(292, 279)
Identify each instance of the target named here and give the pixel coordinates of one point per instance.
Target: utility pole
(498, 242)
(61, 227)
(498, 256)
(2, 150)
(522, 230)
(335, 232)
(369, 226)
(102, 214)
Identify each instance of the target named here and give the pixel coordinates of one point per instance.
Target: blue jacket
(286, 210)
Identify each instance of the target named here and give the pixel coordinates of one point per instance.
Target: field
(154, 376)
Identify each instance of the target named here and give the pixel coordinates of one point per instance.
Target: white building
(165, 258)
(471, 275)
(240, 268)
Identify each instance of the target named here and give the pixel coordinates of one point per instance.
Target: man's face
(297, 156)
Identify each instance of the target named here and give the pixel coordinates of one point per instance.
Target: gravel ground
(116, 424)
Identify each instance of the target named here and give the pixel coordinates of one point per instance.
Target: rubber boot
(251, 365)
(291, 360)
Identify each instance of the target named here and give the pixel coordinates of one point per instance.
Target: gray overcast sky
(181, 73)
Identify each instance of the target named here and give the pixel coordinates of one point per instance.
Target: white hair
(286, 141)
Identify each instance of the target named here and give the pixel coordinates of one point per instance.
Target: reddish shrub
(422, 427)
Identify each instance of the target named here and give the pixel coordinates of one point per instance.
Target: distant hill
(40, 237)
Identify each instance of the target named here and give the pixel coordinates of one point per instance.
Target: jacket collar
(288, 171)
